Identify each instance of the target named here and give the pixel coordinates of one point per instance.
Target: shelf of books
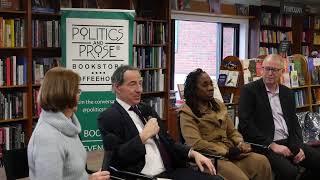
(310, 35)
(150, 51)
(314, 70)
(274, 28)
(307, 34)
(296, 77)
(29, 46)
(13, 75)
(45, 45)
(316, 34)
(271, 27)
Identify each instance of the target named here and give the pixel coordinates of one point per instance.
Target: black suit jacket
(121, 136)
(255, 115)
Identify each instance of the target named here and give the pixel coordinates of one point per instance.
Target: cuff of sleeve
(269, 145)
(189, 153)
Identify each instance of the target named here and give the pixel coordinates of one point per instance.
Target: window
(197, 46)
(230, 40)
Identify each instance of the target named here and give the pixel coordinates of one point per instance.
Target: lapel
(264, 95)
(127, 121)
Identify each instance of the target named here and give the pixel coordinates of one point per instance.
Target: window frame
(236, 41)
(242, 34)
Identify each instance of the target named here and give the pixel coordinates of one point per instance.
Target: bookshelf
(151, 52)
(268, 29)
(232, 68)
(315, 33)
(19, 59)
(307, 35)
(310, 38)
(14, 87)
(230, 81)
(313, 72)
(302, 91)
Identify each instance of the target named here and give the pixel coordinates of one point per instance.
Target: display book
(230, 80)
(22, 66)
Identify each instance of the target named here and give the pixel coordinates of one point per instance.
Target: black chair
(213, 157)
(16, 163)
(120, 174)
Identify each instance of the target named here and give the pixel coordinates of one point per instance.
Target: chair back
(16, 163)
(181, 139)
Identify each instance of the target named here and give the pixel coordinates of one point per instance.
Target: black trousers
(189, 174)
(285, 169)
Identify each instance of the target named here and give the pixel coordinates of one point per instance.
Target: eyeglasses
(273, 70)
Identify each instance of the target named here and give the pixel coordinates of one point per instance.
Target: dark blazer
(255, 115)
(121, 136)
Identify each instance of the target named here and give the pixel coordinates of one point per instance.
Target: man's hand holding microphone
(150, 129)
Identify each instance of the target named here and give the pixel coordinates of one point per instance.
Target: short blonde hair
(59, 90)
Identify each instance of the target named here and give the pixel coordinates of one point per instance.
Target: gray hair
(117, 76)
(274, 57)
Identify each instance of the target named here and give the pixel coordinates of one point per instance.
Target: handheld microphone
(156, 135)
(146, 117)
(257, 145)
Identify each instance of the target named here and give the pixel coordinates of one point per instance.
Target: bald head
(274, 59)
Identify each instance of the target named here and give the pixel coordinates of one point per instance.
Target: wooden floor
(94, 162)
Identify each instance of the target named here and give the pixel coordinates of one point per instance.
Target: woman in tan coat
(206, 126)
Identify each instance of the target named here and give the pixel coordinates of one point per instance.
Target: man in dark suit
(135, 135)
(267, 115)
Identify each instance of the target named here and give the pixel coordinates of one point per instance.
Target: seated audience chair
(16, 163)
(215, 158)
(120, 174)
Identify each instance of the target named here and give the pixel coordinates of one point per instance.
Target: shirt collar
(269, 91)
(125, 105)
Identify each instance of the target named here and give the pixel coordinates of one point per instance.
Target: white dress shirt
(280, 125)
(153, 161)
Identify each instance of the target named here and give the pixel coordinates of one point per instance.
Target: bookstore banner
(94, 43)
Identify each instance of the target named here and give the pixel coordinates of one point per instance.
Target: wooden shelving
(270, 26)
(28, 53)
(141, 19)
(151, 50)
(12, 12)
(13, 87)
(232, 90)
(2, 121)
